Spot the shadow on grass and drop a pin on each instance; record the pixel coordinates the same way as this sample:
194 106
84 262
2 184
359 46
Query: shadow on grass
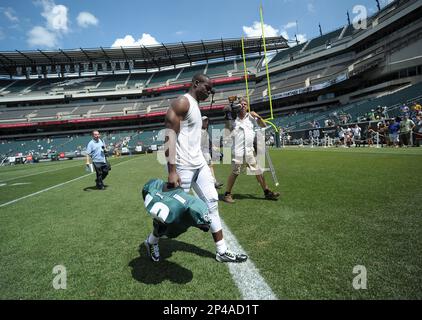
243 197
94 188
146 271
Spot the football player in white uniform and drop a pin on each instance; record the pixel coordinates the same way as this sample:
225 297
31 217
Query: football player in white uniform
186 164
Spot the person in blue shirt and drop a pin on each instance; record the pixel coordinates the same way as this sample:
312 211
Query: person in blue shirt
393 130
95 152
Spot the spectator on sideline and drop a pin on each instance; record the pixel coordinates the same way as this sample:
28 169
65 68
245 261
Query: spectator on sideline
383 133
357 134
418 135
386 133
370 136
341 135
406 128
393 131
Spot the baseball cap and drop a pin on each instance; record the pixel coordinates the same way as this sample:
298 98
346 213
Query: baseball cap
204 118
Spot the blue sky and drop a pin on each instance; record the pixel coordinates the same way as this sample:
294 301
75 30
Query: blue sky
69 24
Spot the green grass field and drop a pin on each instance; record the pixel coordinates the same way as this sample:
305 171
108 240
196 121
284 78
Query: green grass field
339 208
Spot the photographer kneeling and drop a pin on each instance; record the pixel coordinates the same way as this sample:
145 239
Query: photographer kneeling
242 126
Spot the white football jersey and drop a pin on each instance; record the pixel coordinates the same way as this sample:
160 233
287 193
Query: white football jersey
188 146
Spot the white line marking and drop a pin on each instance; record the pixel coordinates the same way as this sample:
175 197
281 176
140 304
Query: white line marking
250 283
246 276
44 190
55 186
37 173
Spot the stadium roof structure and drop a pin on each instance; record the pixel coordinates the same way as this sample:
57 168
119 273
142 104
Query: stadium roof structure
139 57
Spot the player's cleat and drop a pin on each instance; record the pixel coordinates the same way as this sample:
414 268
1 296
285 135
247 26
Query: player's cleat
228 198
229 256
270 195
153 251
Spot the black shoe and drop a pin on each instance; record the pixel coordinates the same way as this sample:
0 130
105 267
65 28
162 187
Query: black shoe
269 195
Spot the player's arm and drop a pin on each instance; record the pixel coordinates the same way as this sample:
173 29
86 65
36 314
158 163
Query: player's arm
176 113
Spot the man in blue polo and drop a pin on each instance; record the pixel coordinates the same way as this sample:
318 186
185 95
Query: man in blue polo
95 152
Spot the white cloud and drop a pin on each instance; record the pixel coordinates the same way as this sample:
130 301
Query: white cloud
86 19
56 16
311 7
285 35
256 31
290 25
42 37
302 38
129 41
10 14
56 25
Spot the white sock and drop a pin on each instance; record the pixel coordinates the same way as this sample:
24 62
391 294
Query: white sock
221 246
152 239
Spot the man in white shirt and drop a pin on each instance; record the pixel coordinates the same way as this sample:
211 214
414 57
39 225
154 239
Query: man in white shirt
243 153
341 135
357 134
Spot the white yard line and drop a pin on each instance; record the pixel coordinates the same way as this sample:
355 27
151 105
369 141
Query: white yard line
246 276
250 283
55 186
37 173
44 190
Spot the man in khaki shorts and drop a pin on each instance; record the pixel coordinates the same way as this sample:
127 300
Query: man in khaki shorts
243 134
